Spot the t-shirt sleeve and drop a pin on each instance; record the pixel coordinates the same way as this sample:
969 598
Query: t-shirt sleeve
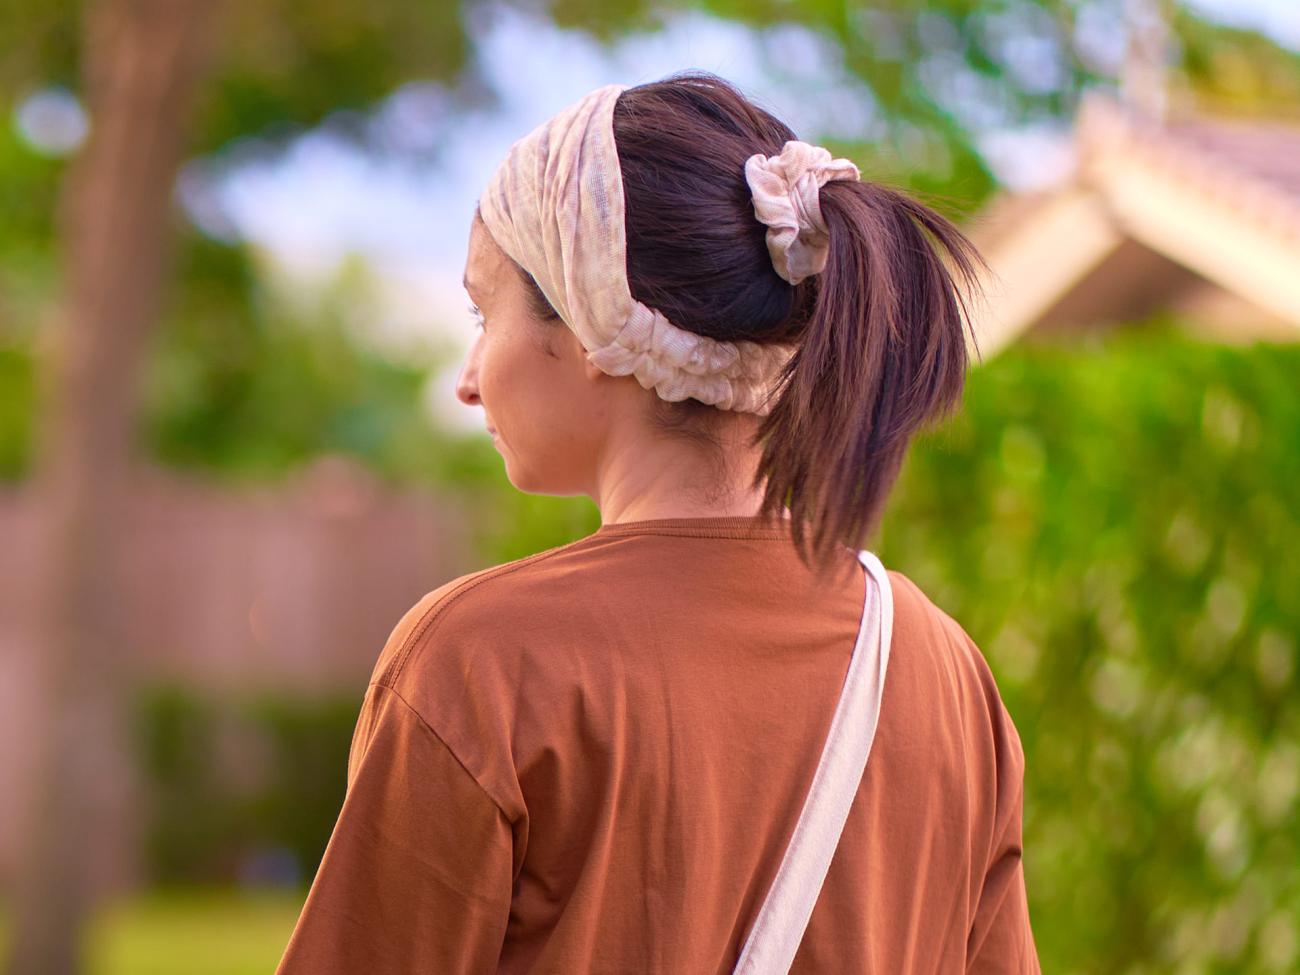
417 874
1001 939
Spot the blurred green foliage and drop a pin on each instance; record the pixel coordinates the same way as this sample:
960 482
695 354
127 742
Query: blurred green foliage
241 788
254 389
17 392
28 280
1115 524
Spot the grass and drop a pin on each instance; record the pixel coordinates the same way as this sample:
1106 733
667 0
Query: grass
198 932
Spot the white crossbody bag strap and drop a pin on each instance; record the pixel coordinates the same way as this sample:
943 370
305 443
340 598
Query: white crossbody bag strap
783 918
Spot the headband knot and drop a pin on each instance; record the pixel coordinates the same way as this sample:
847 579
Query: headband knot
786 188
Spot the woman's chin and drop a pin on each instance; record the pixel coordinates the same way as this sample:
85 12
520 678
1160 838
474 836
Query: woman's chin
525 479
521 481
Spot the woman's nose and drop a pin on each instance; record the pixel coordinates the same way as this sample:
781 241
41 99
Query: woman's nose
467 381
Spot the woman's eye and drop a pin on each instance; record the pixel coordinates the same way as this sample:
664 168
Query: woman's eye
478 316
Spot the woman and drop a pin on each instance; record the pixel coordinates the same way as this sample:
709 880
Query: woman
594 759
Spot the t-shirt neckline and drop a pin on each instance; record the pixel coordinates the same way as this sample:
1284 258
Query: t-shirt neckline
716 526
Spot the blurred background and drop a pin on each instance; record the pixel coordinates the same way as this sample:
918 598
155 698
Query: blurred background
231 240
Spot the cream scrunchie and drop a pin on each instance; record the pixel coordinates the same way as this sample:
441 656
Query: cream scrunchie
786 198
555 205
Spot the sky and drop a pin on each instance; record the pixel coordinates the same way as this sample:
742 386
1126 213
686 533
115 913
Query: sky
1280 19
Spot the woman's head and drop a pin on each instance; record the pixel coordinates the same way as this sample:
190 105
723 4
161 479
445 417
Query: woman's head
878 341
565 427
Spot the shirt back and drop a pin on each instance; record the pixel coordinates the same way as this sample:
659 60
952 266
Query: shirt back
592 760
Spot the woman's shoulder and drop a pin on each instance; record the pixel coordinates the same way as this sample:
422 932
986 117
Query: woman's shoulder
923 630
480 608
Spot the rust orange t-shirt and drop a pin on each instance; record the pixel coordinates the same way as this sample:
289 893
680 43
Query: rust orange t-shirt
590 760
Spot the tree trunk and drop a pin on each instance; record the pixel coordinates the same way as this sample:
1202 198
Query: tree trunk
143 63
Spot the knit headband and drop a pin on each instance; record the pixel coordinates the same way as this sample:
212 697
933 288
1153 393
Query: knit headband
555 206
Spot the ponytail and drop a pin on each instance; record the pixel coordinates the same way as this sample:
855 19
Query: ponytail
884 354
880 330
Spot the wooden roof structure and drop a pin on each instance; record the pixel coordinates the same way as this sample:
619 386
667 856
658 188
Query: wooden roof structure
1199 216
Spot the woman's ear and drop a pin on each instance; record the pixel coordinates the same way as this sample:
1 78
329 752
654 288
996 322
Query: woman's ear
589 368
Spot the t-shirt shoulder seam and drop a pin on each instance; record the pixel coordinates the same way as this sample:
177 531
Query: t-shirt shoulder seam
500 806
438 609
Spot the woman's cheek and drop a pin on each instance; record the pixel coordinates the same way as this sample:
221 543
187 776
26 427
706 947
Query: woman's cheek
503 384
488 370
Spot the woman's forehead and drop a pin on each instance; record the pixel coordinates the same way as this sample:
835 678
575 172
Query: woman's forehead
488 267
485 262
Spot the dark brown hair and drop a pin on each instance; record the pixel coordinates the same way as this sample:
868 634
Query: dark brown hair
880 331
